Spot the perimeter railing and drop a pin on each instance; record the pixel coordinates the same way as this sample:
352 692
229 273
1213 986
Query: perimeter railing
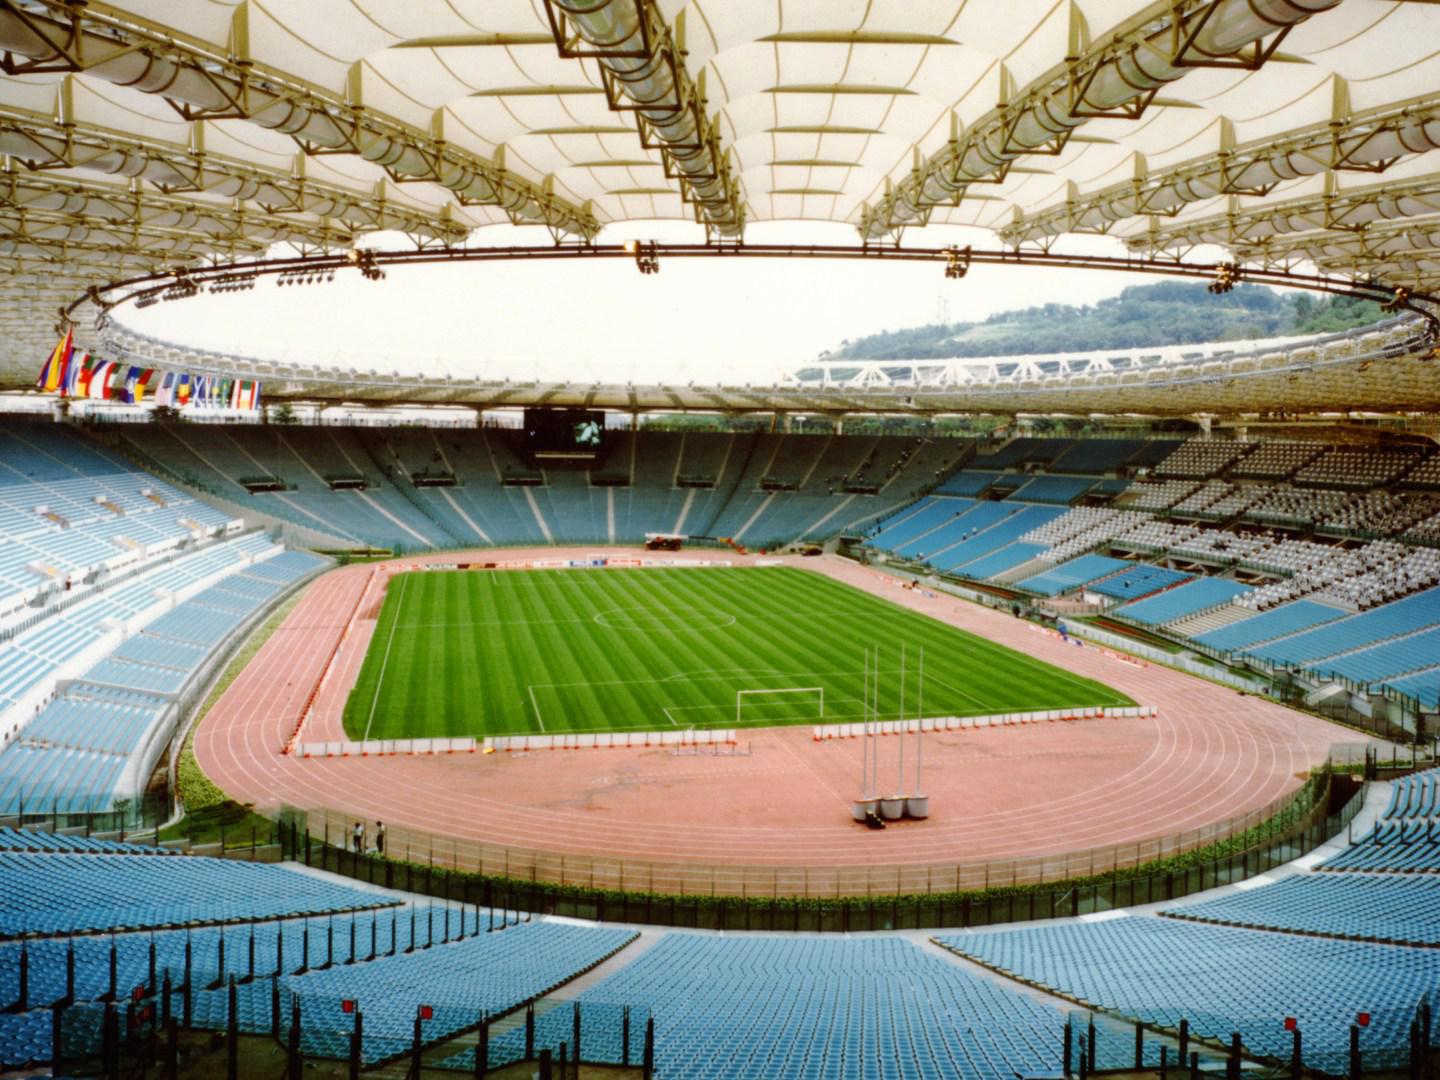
831 898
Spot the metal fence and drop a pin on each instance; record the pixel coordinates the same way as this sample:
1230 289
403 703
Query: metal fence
825 898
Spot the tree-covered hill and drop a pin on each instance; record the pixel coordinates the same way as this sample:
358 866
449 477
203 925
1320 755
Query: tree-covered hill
1167 313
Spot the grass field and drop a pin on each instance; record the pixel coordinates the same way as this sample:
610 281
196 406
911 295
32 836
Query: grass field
509 652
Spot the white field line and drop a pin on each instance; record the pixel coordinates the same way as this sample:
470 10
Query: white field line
385 660
535 705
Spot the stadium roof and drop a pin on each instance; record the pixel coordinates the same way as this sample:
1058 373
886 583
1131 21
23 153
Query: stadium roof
150 135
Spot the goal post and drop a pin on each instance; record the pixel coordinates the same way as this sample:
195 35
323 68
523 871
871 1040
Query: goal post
741 695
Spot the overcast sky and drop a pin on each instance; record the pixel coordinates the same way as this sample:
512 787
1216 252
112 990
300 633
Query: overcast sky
697 320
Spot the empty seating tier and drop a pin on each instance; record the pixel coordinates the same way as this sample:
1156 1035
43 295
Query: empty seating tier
1224 980
1139 581
66 894
1181 601
1071 575
1395 908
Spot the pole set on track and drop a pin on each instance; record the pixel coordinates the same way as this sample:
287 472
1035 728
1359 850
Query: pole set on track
872 808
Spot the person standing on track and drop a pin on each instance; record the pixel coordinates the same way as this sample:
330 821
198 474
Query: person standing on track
358 839
379 838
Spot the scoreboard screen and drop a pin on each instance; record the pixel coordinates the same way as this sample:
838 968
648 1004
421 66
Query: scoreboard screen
564 431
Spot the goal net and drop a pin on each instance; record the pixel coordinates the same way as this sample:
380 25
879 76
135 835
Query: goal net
757 701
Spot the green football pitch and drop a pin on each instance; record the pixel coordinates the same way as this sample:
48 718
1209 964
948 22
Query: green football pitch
512 652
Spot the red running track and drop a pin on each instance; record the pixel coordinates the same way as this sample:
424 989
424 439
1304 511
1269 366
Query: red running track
995 794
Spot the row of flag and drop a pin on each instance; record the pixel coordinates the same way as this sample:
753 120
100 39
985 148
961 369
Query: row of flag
75 373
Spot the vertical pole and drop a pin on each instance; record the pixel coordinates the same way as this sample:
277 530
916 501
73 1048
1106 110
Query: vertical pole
1354 1052
1139 1045
250 966
24 996
172 1049
151 983
275 1006
110 1042
295 1063
357 1033
165 991
900 789
114 992
232 1034
545 1065
1296 1061
304 948
919 728
1184 1054
1090 1029
374 935
1084 1057
625 1037
1194 1065
1164 1062
529 1032
415 1048
280 949
865 729
1066 1069
648 1068
1232 1065
188 1001
575 1038
564 1062
57 1024
482 1051
70 970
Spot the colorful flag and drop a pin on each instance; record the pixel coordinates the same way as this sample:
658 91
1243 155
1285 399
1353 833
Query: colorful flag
52 374
247 394
78 378
100 379
182 389
165 391
141 383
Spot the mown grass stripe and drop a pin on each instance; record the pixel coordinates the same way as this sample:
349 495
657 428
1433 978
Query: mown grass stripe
482 652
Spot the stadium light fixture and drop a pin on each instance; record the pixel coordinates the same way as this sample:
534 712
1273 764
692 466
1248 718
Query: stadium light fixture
1227 275
647 256
957 262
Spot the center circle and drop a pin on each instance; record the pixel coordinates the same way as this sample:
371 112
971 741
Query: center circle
649 621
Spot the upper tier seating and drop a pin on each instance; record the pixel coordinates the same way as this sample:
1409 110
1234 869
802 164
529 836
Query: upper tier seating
66 894
1357 468
967 483
1156 496
1096 456
1423 686
1078 530
1224 980
1294 506
1060 490
1276 460
1199 459
1181 601
70 510
1425 475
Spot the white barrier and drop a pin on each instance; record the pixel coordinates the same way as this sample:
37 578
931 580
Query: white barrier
960 723
387 747
616 740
